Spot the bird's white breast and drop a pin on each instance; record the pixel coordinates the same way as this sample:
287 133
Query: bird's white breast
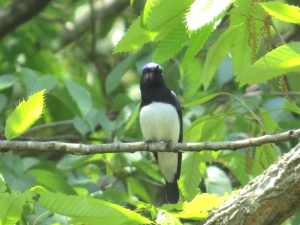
160 122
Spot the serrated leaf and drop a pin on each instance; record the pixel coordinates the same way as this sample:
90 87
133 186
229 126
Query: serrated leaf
135 37
198 39
24 115
52 181
190 175
284 12
80 95
145 13
11 206
166 11
191 78
7 80
171 44
204 11
89 210
216 54
281 60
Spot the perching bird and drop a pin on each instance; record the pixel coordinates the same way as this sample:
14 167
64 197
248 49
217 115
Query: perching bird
161 120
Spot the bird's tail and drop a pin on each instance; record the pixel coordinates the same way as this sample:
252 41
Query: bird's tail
172 191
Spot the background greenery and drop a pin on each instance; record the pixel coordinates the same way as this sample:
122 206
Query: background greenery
217 57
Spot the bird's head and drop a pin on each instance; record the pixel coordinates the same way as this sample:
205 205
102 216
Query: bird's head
152 76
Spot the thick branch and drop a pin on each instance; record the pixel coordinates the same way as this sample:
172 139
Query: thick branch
268 199
19 12
82 149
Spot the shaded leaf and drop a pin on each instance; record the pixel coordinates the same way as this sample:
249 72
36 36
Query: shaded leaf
26 113
52 181
7 80
217 181
291 106
268 122
216 54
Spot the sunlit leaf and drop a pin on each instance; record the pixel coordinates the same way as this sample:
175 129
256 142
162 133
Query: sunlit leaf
204 11
291 106
171 44
26 113
202 100
285 12
146 12
11 206
198 39
281 60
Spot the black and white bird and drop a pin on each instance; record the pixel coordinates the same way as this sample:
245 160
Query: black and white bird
161 120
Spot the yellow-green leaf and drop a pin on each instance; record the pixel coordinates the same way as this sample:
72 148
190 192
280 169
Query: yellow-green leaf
24 115
288 13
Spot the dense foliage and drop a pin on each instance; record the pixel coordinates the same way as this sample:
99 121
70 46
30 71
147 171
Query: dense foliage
234 65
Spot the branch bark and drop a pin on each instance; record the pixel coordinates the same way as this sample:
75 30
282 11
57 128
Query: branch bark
268 199
83 149
19 12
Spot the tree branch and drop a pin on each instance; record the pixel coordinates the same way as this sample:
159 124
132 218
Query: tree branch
19 12
268 199
105 10
83 149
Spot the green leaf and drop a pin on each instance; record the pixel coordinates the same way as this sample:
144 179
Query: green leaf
136 188
283 59
7 80
89 210
80 95
235 161
202 100
113 78
146 167
268 122
204 11
34 83
171 44
136 37
190 175
284 12
3 100
134 117
191 78
291 106
198 39
217 181
11 206
216 54
145 13
265 156
166 11
24 115
241 52
52 181
81 126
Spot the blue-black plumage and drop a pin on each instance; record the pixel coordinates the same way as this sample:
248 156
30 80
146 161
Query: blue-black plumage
161 120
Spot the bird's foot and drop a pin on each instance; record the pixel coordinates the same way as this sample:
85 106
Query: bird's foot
168 144
148 143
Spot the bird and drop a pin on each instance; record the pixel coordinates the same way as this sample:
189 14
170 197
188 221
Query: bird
160 119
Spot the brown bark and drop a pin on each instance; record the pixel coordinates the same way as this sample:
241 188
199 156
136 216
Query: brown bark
269 199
